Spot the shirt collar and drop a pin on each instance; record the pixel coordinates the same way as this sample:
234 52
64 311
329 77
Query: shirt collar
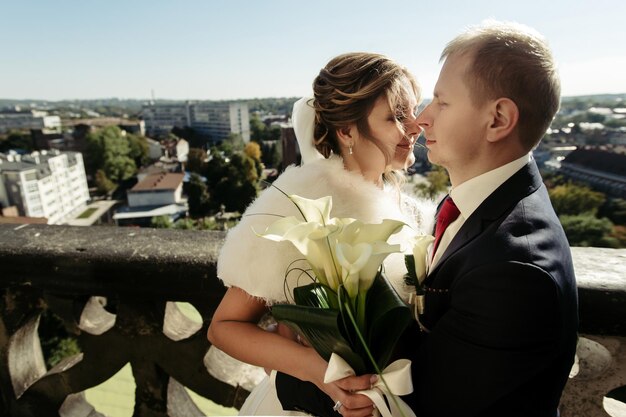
469 195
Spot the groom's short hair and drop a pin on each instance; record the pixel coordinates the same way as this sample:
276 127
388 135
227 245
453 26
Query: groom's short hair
512 61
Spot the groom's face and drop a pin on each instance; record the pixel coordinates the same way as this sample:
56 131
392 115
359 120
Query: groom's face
454 127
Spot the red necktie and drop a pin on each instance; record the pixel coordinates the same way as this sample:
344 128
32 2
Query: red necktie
447 214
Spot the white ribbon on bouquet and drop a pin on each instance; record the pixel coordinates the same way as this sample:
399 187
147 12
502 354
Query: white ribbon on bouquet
398 378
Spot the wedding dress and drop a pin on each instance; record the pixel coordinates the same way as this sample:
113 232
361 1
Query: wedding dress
259 266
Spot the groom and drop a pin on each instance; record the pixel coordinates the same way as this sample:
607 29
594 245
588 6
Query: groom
499 328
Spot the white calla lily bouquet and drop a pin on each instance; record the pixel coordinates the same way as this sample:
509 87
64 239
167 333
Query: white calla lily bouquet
349 308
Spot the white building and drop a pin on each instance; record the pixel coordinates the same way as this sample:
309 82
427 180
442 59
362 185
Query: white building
32 119
160 119
156 195
157 190
214 119
220 119
49 184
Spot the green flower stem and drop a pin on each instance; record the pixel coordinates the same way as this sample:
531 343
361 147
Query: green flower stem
371 358
360 310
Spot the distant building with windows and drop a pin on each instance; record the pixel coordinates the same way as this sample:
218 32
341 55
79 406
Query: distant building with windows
219 119
160 119
215 120
603 170
31 119
49 184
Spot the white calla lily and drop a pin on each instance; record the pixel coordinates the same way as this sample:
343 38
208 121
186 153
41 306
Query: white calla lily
368 232
380 250
277 230
314 210
339 250
325 259
309 238
420 255
352 260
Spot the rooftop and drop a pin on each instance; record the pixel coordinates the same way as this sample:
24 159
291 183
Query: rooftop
162 181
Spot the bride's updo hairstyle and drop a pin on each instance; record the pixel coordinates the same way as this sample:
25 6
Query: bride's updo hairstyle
346 90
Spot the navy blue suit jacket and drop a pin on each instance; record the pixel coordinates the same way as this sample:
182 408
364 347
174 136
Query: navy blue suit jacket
501 307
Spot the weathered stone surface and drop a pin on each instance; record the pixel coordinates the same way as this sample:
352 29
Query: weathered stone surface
141 272
602 362
601 276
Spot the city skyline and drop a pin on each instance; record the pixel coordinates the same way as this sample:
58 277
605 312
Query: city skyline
210 50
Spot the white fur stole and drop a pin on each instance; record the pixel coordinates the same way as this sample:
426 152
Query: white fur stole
259 266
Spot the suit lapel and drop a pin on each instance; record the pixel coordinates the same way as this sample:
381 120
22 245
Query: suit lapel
524 182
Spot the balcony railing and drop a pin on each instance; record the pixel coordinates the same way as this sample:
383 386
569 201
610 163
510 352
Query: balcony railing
142 272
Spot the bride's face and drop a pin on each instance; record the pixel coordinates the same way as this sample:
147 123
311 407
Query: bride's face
395 134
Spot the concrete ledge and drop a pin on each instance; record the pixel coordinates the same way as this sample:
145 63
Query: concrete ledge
111 260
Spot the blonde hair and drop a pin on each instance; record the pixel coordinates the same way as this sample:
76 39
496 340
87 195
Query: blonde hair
346 90
513 61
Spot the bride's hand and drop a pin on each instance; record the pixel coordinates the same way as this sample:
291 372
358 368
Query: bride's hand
344 390
344 393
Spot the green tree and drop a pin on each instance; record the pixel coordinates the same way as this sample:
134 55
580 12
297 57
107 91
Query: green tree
196 160
119 167
619 234
138 149
161 222
207 223
184 224
107 149
235 141
271 154
257 129
56 343
615 210
17 141
436 184
588 230
197 197
103 183
572 199
552 179
253 151
234 185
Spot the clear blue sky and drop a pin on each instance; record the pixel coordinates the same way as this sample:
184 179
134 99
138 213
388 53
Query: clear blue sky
223 49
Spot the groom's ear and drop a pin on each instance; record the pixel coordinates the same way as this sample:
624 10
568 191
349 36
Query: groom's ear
504 116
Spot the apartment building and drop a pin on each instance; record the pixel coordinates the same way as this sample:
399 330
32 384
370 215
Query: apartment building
215 120
160 119
49 184
219 119
26 120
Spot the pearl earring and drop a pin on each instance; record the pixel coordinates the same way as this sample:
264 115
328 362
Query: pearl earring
350 150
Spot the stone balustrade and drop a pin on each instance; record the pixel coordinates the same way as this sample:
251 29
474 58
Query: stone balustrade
116 289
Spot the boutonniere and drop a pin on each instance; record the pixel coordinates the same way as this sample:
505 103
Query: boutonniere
417 268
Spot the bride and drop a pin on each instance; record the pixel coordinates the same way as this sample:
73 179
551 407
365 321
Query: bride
359 128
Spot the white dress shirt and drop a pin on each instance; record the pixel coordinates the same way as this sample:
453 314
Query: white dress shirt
470 194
